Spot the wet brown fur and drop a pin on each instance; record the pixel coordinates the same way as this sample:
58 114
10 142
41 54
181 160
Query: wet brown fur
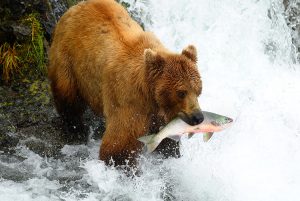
100 57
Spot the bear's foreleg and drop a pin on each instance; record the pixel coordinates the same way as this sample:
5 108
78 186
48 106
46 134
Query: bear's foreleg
119 144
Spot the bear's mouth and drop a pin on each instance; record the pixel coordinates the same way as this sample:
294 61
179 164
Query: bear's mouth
185 117
192 119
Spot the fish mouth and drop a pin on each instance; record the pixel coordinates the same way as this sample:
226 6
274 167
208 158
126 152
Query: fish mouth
228 120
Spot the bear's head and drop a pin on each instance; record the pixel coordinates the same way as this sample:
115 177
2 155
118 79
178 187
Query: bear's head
175 83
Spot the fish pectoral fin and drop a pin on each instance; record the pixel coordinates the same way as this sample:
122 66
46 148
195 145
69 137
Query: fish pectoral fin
207 136
175 137
191 135
146 139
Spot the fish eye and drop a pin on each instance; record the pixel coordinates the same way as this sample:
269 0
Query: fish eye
181 94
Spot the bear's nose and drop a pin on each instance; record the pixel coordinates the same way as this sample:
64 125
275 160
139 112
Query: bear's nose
196 118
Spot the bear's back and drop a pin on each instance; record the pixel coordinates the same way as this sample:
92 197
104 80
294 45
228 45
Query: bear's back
96 18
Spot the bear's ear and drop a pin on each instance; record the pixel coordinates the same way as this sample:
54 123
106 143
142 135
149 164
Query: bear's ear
154 61
190 52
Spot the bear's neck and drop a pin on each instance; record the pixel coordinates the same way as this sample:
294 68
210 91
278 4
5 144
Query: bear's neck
140 86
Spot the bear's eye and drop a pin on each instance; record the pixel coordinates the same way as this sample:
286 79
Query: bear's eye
181 94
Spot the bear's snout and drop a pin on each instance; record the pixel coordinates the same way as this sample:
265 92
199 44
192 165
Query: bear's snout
195 118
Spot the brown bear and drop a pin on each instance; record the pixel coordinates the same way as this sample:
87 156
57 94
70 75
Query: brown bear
102 58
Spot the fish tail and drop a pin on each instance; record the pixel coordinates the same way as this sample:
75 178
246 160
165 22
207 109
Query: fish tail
150 142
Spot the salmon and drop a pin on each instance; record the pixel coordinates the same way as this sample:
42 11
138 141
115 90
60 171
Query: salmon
176 128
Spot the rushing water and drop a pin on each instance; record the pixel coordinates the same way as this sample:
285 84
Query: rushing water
246 63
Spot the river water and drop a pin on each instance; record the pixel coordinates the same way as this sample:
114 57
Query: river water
247 65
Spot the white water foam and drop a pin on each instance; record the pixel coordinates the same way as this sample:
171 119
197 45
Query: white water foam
245 60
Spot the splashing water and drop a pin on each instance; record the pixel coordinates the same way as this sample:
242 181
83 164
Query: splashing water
246 63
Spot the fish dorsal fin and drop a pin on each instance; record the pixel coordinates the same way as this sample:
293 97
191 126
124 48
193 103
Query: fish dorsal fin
175 137
207 136
191 135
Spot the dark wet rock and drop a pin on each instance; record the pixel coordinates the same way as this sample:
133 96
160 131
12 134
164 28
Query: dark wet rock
292 13
13 11
59 7
42 146
11 31
11 14
8 142
28 117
